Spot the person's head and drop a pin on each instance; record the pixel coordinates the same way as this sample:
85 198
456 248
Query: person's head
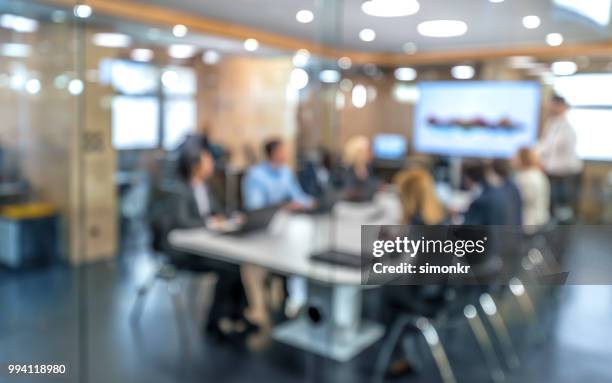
418 196
276 152
525 158
196 164
357 152
473 174
501 168
558 106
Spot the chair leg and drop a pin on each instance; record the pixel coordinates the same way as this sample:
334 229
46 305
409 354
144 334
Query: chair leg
489 307
180 314
484 342
386 351
437 350
141 297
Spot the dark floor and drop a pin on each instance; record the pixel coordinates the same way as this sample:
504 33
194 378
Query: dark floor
40 314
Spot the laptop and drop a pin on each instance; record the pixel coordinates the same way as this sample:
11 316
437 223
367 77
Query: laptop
254 220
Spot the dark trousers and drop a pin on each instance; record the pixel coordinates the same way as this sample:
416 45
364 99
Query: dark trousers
564 192
229 300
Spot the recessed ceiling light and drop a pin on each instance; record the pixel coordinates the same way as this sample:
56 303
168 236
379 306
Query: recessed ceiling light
142 55
111 40
179 30
82 11
496 1
564 68
301 58
367 35
405 74
298 78
442 28
462 72
531 22
18 23
211 57
304 16
181 51
32 86
329 76
251 45
75 86
554 39
390 8
409 48
345 63
359 96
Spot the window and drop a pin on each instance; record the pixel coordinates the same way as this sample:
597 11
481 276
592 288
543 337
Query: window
135 122
590 97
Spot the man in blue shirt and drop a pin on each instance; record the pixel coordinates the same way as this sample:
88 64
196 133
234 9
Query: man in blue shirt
272 182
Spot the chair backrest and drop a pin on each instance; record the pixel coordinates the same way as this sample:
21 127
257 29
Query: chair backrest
160 217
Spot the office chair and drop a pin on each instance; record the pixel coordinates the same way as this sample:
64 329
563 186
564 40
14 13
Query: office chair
457 305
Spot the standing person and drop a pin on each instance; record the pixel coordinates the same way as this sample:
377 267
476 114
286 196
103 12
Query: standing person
533 186
557 150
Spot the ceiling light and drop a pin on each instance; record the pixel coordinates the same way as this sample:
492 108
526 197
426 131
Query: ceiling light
409 48
462 72
531 22
298 79
345 63
329 76
179 30
75 86
112 40
405 74
564 68
304 16
442 28
32 86
390 8
211 57
18 23
15 50
367 35
142 55
359 96
82 11
181 51
301 57
554 39
251 45
496 1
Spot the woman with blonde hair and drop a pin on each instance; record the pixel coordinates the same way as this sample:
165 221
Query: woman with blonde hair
417 194
357 179
533 186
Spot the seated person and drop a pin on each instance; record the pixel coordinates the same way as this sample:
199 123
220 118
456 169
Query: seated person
489 206
272 182
514 202
534 188
357 180
195 206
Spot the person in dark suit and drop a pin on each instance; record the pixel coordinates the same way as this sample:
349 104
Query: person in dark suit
195 206
489 207
514 201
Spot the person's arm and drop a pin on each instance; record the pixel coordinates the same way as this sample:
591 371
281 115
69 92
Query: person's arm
253 194
296 193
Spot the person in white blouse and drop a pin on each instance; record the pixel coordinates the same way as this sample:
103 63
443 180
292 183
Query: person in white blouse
560 160
534 188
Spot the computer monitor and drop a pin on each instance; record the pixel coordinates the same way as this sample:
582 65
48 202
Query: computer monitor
389 147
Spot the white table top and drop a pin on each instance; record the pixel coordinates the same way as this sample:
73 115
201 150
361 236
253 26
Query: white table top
291 239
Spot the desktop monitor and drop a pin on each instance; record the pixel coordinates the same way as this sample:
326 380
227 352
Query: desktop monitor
476 118
389 147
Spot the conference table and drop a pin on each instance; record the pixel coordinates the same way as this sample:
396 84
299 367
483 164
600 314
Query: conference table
332 324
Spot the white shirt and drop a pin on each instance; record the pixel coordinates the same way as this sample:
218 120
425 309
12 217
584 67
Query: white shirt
535 194
557 149
200 193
